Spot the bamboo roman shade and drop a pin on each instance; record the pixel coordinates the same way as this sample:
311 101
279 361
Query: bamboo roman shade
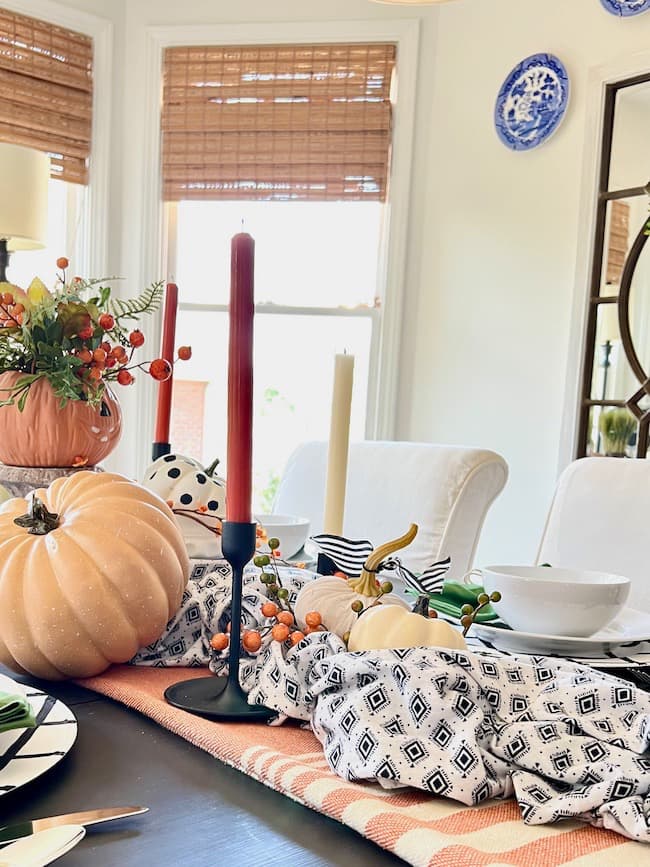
46 92
617 246
278 122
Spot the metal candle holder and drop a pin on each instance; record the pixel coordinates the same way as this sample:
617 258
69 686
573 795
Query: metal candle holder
222 698
160 449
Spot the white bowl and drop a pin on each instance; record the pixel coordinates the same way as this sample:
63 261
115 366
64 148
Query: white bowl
289 529
554 601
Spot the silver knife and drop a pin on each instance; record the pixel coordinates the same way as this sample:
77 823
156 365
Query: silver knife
9 833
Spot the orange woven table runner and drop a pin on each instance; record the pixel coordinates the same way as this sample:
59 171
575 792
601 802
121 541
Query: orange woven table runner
423 830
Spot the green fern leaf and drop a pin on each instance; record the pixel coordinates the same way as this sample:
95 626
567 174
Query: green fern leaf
147 301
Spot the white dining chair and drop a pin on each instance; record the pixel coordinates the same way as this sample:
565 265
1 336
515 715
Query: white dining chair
599 519
445 490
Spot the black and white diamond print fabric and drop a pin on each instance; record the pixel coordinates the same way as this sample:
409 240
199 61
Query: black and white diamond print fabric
205 609
565 740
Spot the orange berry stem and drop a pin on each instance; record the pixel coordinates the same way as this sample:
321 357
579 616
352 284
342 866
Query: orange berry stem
10 315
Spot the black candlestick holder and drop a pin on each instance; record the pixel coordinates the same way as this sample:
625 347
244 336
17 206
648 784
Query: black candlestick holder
222 698
160 449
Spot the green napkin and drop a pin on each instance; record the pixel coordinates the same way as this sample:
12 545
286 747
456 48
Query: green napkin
15 712
454 595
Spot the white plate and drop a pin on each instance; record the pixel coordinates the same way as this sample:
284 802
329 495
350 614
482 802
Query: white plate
27 753
620 640
43 847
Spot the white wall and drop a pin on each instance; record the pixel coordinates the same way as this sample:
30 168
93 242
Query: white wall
488 328
493 234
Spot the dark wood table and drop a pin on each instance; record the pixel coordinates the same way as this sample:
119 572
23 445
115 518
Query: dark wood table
202 812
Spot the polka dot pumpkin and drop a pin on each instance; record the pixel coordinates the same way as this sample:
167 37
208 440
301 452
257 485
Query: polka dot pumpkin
185 484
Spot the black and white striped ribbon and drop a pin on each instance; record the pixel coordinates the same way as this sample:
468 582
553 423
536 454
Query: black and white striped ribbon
427 582
350 556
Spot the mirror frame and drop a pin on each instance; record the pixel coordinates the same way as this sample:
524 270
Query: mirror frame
596 299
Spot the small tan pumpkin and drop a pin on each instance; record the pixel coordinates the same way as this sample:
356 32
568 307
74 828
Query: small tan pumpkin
390 626
332 597
93 572
45 434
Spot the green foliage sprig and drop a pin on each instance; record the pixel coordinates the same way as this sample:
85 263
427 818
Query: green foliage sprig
76 336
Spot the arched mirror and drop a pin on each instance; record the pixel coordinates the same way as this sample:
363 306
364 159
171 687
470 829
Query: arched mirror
615 400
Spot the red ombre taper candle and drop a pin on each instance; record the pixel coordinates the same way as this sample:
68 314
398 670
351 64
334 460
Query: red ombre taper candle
161 445
240 380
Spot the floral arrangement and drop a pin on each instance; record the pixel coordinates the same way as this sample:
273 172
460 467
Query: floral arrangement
77 337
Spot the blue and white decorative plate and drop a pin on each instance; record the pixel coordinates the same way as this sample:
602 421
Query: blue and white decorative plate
27 753
625 8
531 102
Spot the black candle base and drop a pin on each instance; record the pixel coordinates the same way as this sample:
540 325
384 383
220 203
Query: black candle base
222 698
216 698
160 449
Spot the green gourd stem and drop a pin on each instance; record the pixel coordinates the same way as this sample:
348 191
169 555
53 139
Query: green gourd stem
366 583
422 606
39 520
213 466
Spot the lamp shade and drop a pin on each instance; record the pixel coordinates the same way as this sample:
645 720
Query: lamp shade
24 177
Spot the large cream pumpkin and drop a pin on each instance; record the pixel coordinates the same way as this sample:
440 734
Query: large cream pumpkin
93 573
45 434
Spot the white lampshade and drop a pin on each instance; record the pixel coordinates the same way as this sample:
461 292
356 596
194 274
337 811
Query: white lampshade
24 177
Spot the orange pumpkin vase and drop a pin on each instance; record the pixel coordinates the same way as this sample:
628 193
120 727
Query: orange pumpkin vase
45 434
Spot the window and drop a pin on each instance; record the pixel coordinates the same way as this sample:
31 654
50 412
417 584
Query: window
294 141
615 404
46 95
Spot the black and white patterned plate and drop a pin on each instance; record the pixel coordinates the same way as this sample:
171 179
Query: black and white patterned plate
27 753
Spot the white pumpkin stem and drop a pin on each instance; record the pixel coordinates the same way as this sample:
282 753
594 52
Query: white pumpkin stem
366 583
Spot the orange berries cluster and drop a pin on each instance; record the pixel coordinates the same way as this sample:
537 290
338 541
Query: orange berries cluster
277 609
282 629
99 362
11 311
285 629
96 363
251 640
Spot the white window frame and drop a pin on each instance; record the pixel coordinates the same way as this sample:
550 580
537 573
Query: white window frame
599 77
93 246
385 351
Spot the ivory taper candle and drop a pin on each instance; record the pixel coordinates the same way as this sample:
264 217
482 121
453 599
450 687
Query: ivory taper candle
337 455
